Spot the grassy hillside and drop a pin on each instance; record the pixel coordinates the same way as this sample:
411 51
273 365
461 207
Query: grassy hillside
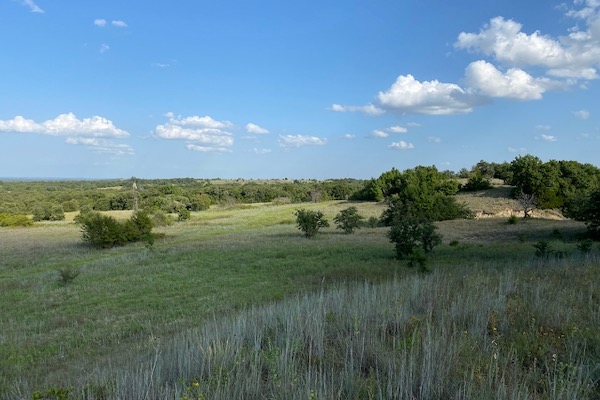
238 301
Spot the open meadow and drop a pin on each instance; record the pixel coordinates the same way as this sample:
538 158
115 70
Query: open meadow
237 303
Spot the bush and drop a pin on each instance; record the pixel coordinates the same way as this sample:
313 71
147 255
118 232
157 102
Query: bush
477 182
104 231
348 219
373 222
14 220
47 212
310 222
409 232
160 218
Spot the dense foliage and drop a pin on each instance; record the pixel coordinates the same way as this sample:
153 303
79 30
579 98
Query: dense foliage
104 231
420 184
478 181
167 195
310 222
15 220
410 230
348 219
555 184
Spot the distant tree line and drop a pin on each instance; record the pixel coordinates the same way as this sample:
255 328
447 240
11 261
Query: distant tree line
566 185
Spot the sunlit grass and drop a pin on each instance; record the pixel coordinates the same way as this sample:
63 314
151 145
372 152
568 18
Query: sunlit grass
223 261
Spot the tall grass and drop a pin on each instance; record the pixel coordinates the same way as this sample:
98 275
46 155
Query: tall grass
468 333
236 303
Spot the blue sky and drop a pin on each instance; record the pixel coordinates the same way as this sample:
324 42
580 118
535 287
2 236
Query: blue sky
304 89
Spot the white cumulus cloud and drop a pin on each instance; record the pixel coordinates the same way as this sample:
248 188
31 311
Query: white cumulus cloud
255 129
576 55
119 24
548 138
200 133
515 83
64 125
397 129
428 97
378 133
100 22
288 141
401 145
94 133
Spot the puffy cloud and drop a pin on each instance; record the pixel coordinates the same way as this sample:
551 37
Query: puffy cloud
369 109
255 129
288 141
401 145
94 133
397 129
429 97
504 40
515 83
573 56
547 138
378 133
100 22
119 24
582 114
32 6
201 133
205 122
64 125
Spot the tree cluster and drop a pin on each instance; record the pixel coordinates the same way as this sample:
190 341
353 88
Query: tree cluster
104 231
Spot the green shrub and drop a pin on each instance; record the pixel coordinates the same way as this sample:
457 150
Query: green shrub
104 231
161 218
409 232
477 182
47 212
310 222
183 214
373 222
15 220
348 219
512 219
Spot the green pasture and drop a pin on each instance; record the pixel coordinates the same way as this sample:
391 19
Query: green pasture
131 306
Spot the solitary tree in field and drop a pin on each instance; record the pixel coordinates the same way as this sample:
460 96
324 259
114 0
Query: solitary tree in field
310 222
348 219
